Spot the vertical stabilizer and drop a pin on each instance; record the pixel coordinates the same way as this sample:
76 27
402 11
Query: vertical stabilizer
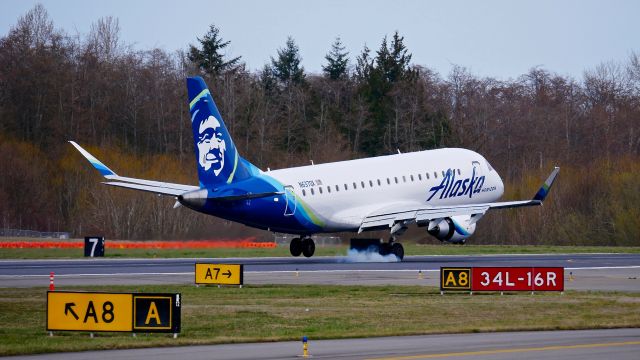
217 158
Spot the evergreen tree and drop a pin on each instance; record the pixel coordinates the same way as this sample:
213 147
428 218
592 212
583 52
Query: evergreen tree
210 58
377 78
393 61
268 80
337 61
364 65
286 67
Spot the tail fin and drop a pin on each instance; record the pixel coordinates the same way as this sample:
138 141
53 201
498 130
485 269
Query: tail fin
216 156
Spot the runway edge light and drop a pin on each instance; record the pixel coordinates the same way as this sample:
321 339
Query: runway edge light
305 346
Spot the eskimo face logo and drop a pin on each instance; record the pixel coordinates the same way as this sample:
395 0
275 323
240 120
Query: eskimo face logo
211 145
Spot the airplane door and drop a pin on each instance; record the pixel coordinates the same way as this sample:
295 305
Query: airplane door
476 165
479 175
291 202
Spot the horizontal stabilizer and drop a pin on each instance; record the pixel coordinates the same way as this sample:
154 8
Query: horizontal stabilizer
157 187
154 189
102 168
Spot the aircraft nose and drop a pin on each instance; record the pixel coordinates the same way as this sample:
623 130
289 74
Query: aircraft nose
500 185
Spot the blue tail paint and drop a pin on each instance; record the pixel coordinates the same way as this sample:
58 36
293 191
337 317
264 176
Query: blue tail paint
217 158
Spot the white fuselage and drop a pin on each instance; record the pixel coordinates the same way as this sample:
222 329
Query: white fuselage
343 193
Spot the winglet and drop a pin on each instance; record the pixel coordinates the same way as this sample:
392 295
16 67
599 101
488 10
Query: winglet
104 170
544 189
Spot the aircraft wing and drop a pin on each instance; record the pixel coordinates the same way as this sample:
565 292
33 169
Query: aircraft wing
407 213
158 187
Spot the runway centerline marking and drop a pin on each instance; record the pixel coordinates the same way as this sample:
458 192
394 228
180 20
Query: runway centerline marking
508 351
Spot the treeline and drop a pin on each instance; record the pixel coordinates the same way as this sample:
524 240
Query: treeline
129 107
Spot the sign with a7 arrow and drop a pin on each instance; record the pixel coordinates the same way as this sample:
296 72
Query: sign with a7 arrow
219 274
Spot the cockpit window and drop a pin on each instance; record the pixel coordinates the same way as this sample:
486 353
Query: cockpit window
489 166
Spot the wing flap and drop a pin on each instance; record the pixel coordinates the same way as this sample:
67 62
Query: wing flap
448 211
380 219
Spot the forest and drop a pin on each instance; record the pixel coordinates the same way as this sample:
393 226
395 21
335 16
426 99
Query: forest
129 108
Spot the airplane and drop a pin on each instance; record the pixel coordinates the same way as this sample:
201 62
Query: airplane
445 190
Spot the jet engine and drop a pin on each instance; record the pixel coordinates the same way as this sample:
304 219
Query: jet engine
455 229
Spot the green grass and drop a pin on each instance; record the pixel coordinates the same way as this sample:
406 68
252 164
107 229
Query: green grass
410 249
272 313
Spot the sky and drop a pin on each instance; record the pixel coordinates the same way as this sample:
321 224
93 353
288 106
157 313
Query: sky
500 39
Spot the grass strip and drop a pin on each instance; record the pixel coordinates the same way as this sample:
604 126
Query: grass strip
213 315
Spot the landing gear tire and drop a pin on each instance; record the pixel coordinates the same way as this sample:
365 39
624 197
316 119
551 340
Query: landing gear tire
385 249
308 247
295 247
398 250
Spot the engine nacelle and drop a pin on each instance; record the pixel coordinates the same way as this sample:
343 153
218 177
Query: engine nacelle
455 229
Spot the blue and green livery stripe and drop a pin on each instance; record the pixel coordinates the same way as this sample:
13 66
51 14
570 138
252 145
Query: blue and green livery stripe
460 229
306 212
542 193
235 166
105 171
202 94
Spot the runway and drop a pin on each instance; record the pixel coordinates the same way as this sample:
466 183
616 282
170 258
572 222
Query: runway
583 344
582 271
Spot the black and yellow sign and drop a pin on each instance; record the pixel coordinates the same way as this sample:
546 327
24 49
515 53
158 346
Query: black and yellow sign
455 278
85 311
219 274
156 312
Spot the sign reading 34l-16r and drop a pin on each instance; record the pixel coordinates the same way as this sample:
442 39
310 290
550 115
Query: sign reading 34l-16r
86 311
517 279
502 279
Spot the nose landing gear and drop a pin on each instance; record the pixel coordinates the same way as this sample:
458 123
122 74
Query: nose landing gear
305 246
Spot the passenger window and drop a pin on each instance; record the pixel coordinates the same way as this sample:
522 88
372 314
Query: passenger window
378 182
427 175
355 186
312 192
420 177
346 187
388 181
435 175
396 179
404 178
304 193
337 188
443 174
328 188
362 183
320 190
370 183
411 176
458 171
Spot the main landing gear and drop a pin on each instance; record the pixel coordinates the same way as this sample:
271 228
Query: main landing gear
392 247
304 246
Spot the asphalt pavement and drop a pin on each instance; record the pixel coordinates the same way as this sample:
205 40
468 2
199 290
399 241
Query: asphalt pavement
619 272
584 344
